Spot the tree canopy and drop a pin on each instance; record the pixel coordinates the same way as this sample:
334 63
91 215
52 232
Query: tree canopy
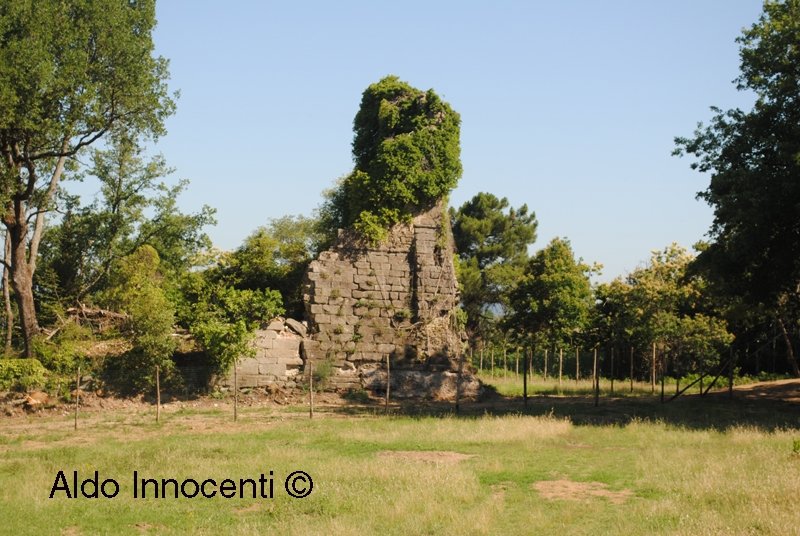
492 242
753 158
70 72
554 297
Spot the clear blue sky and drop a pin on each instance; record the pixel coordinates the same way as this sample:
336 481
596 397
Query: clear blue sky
570 107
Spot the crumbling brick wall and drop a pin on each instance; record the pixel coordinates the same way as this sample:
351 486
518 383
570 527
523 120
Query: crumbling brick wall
276 363
394 301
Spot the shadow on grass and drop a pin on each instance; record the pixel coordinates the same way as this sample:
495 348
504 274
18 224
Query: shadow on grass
715 411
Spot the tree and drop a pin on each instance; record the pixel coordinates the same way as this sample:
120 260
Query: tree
70 72
136 290
663 303
222 318
492 242
753 158
554 297
134 208
407 158
276 257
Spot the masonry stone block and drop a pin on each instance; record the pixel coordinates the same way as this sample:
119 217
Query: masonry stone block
274 369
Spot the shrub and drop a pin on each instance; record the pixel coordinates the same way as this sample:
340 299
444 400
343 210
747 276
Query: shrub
323 370
136 289
21 374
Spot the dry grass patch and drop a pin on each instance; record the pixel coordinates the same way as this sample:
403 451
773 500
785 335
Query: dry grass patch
567 490
434 456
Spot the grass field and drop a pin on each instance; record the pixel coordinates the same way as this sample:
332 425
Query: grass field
631 466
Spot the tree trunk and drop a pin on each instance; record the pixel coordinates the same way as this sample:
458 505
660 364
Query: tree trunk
22 283
7 296
653 371
25 252
790 358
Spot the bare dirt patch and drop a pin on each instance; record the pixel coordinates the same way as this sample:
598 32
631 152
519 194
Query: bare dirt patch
567 490
784 390
433 456
145 528
255 507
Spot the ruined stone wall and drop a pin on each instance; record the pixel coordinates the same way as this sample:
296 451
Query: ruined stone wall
276 363
366 304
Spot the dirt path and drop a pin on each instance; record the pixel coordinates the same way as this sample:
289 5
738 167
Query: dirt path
782 390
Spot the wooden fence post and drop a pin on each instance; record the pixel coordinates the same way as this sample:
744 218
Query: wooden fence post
653 370
631 369
544 373
388 383
596 380
77 395
525 380
158 393
235 391
612 370
310 389
730 373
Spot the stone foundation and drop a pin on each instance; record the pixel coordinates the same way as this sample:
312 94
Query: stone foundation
369 306
277 362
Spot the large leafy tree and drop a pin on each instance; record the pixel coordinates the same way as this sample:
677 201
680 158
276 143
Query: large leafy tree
554 298
663 303
276 257
221 317
492 242
407 157
753 158
134 207
70 71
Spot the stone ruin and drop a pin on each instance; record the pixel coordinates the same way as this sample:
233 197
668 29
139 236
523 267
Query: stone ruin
372 306
277 362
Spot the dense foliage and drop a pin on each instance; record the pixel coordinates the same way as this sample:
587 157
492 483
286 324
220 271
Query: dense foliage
552 300
663 306
70 72
407 157
136 289
491 240
753 158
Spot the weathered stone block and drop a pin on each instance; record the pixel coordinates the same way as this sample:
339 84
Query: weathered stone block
275 369
246 380
247 366
291 361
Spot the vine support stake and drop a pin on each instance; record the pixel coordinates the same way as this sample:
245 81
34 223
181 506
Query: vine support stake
310 390
158 394
77 395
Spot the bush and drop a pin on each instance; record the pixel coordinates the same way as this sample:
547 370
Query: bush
21 374
68 349
323 370
136 290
